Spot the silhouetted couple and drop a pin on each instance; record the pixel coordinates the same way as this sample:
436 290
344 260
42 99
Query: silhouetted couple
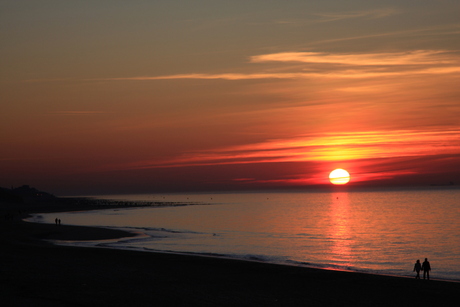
425 267
57 221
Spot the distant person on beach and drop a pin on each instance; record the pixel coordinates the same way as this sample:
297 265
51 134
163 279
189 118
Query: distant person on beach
426 268
59 222
56 221
417 268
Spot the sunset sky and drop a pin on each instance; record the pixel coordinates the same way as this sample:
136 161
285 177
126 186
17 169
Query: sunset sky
156 96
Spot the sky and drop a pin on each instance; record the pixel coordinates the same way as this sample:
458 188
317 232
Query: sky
137 96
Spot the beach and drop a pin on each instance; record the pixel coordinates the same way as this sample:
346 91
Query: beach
36 272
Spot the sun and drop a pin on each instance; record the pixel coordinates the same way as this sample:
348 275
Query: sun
339 176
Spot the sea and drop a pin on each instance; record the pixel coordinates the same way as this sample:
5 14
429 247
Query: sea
379 231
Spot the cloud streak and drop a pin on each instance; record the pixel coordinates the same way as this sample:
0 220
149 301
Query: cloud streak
418 57
370 14
326 17
335 65
325 147
425 32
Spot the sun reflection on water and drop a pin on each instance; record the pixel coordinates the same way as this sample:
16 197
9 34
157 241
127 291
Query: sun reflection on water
340 232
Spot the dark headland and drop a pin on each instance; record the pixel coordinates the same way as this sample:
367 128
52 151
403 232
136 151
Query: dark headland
34 272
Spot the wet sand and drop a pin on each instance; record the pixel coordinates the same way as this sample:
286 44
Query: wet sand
36 273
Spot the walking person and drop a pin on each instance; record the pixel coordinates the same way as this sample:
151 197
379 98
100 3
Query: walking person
426 268
417 268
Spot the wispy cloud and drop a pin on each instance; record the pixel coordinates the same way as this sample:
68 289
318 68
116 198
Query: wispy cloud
326 17
225 76
321 148
393 58
450 30
335 65
370 14
349 74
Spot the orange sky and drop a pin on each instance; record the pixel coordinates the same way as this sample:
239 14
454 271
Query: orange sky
118 97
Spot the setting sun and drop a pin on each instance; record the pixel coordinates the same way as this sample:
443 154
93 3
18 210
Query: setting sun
339 176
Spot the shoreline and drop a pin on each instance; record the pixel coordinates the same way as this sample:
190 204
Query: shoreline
35 272
120 233
46 233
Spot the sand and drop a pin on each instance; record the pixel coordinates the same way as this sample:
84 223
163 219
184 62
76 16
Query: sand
34 272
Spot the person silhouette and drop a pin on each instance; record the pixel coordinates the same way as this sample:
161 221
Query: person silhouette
426 268
417 268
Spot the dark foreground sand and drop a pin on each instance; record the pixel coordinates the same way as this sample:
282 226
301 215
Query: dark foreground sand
35 273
